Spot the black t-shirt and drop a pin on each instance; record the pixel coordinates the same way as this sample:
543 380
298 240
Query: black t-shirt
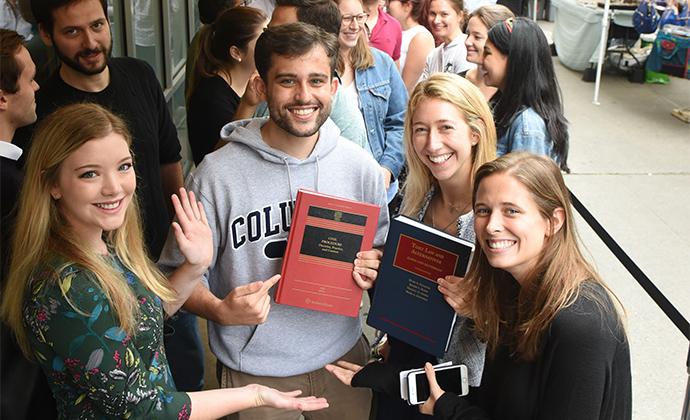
135 95
212 105
582 372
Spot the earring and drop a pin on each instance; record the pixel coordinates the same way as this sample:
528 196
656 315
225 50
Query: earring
55 196
239 60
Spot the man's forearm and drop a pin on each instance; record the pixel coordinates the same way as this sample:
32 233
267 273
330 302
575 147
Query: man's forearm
203 303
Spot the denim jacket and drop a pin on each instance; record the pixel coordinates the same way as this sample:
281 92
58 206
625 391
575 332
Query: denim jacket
527 133
383 102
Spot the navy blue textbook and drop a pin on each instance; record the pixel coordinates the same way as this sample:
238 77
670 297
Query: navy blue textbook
407 304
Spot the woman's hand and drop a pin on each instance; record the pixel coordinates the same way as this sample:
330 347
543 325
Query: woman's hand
435 391
455 293
366 268
270 397
344 371
192 233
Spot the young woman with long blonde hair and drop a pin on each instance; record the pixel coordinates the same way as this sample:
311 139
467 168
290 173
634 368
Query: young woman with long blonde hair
449 133
83 298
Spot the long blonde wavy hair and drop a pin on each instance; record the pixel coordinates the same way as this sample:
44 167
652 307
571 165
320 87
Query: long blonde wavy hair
469 100
42 233
560 275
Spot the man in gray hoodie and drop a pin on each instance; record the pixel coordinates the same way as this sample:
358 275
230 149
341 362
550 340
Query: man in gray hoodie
248 188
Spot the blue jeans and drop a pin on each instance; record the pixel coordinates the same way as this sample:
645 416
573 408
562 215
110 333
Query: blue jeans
184 351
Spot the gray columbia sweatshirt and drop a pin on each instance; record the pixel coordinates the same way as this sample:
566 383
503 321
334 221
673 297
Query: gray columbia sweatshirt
248 190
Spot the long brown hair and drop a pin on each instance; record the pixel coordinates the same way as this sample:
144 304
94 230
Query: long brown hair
42 233
556 280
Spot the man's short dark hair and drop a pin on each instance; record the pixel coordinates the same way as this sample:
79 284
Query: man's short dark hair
322 13
10 69
43 11
292 40
209 10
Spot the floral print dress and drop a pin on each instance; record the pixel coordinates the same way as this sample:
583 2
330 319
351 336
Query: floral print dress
95 369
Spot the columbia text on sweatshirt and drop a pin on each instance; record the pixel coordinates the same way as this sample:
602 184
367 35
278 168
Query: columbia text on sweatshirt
248 190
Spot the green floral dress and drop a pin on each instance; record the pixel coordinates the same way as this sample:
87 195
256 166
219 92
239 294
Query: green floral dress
96 370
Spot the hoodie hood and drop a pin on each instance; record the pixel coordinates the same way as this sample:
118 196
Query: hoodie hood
248 132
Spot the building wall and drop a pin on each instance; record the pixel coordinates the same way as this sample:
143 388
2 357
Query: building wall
159 31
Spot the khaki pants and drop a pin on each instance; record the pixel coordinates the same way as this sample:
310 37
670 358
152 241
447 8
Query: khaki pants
345 403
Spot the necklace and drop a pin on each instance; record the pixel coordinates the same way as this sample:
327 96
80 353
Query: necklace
458 213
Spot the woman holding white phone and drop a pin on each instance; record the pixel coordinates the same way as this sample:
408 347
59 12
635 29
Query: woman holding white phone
556 344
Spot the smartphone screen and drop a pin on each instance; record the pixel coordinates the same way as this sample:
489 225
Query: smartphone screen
449 379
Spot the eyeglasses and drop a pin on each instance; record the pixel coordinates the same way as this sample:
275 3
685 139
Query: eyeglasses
360 18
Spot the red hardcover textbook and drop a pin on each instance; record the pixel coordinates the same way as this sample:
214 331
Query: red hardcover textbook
326 234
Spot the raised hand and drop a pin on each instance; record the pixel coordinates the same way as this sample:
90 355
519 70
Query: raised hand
435 391
247 304
344 371
366 268
270 397
455 293
192 233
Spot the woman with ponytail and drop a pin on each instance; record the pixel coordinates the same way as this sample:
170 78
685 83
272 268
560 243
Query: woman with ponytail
223 70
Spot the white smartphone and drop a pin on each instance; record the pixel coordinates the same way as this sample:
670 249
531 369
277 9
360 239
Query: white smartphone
450 378
404 394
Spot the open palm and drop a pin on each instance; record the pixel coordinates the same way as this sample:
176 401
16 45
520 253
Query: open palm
192 233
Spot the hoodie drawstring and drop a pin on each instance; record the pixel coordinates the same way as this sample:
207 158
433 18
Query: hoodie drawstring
316 181
289 178
287 165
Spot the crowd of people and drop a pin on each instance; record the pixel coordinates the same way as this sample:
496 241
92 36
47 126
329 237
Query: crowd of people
109 255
